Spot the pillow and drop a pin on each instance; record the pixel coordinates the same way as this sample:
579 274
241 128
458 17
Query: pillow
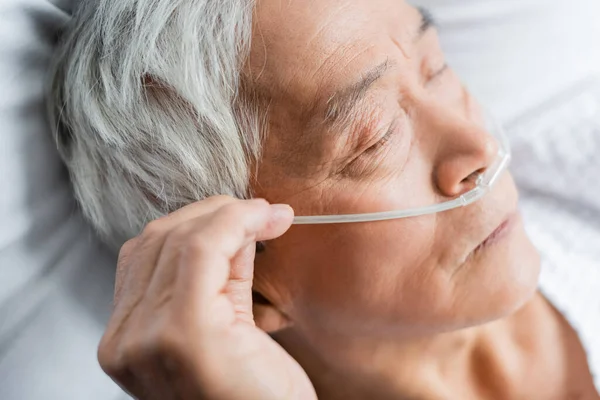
516 55
55 278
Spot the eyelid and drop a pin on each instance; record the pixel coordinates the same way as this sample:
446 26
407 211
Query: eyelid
368 158
367 145
391 130
437 73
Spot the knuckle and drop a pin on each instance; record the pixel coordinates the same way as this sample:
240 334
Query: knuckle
230 212
108 358
153 229
235 215
136 351
200 243
127 248
216 229
219 199
237 211
206 242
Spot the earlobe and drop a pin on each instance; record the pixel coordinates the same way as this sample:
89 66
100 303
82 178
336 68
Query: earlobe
266 316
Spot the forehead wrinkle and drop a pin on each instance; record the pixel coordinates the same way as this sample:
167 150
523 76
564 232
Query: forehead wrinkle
325 24
318 112
328 68
311 111
296 92
357 55
318 100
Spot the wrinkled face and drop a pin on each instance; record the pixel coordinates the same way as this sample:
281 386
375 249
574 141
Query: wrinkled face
365 116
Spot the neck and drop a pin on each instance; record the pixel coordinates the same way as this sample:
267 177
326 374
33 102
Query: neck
439 366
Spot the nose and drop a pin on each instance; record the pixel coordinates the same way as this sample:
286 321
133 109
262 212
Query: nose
465 149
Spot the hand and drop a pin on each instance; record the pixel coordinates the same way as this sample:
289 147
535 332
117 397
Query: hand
182 327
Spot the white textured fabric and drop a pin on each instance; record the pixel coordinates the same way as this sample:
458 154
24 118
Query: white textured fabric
557 167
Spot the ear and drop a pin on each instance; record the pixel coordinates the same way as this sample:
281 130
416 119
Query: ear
266 316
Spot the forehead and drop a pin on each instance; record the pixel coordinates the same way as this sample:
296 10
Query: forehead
304 49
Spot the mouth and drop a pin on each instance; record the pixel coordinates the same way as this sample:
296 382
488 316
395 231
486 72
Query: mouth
499 233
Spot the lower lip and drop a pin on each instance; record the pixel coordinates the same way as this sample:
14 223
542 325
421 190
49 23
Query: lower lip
500 233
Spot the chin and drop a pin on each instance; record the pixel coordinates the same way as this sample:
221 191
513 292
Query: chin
508 275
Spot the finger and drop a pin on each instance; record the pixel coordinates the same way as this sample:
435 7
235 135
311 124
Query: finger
240 261
160 289
152 238
204 262
122 267
129 290
195 210
239 287
234 227
239 290
136 270
137 264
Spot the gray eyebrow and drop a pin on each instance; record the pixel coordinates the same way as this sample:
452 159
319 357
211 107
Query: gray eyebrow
340 106
342 103
427 21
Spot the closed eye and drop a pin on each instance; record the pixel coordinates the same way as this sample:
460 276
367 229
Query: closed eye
385 138
439 72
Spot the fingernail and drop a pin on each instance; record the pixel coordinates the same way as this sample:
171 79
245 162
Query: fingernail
281 211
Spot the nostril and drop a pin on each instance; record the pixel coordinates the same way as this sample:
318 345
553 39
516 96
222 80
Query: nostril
474 177
471 181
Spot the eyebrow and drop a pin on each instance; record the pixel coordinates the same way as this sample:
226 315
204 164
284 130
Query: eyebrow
427 21
341 105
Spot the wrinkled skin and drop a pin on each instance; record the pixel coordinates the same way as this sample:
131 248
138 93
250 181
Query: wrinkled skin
384 280
182 327
413 308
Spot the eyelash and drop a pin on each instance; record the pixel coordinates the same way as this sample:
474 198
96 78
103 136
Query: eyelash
439 72
392 129
384 139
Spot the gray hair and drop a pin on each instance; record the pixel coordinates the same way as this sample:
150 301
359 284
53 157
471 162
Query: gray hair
147 110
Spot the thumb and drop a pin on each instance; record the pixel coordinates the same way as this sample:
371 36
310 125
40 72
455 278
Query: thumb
239 286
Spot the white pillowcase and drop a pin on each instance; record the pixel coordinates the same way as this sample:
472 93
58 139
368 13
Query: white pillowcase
517 54
55 279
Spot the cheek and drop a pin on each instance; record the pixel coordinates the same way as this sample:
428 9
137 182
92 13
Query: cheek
392 278
366 278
